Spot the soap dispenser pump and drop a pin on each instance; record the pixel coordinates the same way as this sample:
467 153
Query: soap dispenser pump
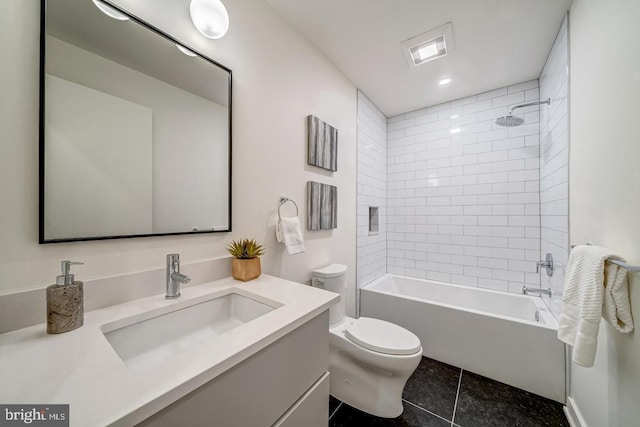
65 302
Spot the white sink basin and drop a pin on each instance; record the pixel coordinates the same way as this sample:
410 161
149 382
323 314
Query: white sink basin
159 335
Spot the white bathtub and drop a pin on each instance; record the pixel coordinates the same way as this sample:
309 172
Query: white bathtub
492 333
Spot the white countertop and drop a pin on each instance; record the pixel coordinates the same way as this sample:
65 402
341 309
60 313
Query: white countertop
81 368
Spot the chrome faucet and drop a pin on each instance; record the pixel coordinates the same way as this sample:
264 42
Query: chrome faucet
174 277
527 291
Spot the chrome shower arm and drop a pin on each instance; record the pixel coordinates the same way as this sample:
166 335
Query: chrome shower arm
528 104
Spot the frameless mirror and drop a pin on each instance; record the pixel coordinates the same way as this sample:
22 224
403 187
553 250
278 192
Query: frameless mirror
135 129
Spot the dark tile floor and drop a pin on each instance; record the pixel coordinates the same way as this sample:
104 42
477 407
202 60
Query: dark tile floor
440 395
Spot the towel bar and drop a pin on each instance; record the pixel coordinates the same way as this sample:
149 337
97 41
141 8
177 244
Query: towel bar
284 200
630 268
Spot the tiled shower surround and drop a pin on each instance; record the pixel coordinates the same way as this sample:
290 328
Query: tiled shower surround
372 190
554 166
463 195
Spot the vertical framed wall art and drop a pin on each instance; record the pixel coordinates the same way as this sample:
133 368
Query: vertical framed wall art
322 206
322 144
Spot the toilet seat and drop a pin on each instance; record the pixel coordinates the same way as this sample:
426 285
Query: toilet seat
382 337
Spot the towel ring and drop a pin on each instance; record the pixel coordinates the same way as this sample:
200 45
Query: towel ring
284 200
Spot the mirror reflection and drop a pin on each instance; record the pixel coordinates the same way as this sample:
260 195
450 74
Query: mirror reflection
135 134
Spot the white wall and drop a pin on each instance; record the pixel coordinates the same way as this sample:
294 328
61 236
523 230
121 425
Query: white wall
464 207
278 79
372 190
554 167
605 192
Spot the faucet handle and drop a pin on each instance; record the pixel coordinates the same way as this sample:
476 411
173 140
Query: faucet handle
173 262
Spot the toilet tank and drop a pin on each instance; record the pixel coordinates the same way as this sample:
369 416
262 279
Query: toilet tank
333 278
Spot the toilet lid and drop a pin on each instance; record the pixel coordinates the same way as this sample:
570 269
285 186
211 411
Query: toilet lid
382 337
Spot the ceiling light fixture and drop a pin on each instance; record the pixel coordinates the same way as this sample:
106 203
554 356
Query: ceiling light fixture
110 11
430 45
428 50
210 18
444 81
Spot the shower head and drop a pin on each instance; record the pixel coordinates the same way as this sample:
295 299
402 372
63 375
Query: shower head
511 120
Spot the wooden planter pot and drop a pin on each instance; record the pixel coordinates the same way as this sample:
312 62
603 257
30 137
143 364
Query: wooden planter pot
245 269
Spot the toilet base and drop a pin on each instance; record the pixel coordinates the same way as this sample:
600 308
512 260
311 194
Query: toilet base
375 400
369 381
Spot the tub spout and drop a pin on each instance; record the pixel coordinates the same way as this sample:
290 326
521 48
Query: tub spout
527 291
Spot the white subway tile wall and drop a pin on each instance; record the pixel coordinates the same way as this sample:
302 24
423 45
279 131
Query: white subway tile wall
372 191
463 194
554 166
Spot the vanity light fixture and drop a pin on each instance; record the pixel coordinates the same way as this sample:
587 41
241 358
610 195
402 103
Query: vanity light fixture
185 50
110 11
445 81
210 18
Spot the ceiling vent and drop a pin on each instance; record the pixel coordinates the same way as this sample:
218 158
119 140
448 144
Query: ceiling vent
430 45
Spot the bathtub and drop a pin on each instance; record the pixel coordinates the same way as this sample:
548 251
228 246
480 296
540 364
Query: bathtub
508 337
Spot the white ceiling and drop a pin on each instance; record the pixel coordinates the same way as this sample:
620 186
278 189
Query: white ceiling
497 43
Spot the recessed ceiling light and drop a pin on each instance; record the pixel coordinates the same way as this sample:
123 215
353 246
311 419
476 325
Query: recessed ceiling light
110 11
444 81
455 130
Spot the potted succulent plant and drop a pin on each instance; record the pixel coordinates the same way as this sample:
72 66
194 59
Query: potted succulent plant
245 264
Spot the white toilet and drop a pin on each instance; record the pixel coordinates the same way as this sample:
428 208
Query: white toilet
370 360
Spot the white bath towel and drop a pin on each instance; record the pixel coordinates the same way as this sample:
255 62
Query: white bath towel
585 285
289 230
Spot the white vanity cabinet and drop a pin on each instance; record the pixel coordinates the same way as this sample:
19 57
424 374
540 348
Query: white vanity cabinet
174 366
311 409
285 384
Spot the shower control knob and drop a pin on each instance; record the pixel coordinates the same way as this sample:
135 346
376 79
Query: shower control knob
546 264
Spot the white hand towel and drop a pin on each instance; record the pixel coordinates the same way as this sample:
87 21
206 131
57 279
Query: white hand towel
289 230
583 299
617 307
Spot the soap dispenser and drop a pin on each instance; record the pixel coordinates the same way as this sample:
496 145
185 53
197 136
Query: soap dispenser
65 302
